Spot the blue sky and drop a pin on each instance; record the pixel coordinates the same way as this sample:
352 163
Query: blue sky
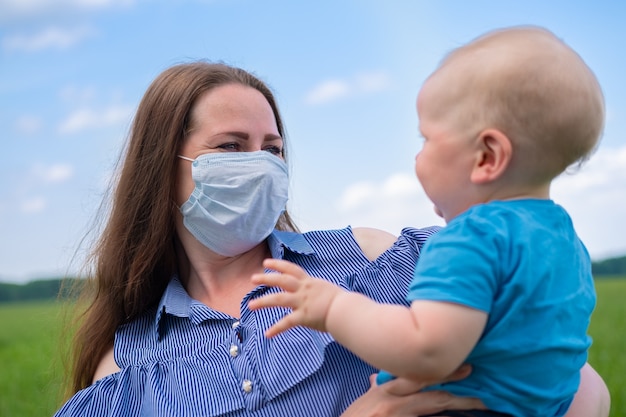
345 73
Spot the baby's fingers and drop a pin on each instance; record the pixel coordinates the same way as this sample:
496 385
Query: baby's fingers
285 267
280 326
280 299
284 281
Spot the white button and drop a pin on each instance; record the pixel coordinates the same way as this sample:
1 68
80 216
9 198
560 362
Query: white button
247 385
235 325
234 351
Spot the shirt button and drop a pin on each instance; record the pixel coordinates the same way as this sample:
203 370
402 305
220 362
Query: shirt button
235 325
246 385
234 351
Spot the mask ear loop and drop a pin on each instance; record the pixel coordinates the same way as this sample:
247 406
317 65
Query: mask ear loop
186 159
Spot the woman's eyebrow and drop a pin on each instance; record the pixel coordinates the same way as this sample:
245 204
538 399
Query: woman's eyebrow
271 136
240 135
246 136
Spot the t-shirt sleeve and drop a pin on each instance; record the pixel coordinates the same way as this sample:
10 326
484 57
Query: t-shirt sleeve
460 265
387 278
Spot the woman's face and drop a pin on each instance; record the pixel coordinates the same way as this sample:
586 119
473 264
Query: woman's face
229 118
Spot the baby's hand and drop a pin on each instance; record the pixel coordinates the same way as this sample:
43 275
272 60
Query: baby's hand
309 298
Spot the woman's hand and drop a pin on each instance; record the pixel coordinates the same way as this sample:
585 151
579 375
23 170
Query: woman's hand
401 397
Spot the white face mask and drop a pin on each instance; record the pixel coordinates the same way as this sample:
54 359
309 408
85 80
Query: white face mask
237 199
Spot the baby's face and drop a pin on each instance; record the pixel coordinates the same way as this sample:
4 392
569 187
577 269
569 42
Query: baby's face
444 164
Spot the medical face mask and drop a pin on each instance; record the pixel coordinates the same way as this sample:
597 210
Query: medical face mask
237 199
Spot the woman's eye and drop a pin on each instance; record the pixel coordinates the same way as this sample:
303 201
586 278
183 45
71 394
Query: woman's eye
274 150
229 146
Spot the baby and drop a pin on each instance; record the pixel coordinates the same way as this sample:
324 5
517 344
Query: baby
506 286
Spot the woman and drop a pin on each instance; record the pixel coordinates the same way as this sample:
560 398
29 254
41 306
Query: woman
202 187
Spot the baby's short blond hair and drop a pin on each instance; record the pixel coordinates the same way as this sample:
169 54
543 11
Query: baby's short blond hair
530 85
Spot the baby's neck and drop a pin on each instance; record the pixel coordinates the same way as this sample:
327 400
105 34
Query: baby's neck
541 192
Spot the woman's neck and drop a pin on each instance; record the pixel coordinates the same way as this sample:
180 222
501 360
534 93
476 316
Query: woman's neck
220 282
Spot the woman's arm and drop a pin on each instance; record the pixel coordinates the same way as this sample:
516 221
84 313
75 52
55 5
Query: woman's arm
107 366
593 398
373 242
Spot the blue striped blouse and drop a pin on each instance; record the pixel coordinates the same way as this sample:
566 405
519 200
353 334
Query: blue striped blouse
185 359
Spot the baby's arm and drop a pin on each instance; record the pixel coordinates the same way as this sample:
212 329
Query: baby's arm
426 342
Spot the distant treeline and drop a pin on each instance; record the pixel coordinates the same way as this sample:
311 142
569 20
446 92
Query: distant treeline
45 289
49 289
612 266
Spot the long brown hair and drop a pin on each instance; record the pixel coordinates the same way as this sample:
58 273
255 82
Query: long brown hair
135 256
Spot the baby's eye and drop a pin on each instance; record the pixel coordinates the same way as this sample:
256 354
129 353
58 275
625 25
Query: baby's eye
274 150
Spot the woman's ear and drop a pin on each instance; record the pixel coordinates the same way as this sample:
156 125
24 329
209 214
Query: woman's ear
493 156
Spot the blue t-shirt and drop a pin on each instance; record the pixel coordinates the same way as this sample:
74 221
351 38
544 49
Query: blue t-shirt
182 358
521 262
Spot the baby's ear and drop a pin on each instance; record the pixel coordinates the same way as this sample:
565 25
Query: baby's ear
493 156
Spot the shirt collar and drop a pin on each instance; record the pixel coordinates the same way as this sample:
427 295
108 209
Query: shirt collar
295 242
176 301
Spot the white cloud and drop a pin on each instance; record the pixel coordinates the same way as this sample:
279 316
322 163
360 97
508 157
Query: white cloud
55 173
363 194
372 82
391 204
39 177
73 94
28 125
357 195
328 91
33 205
59 173
595 197
15 10
605 169
51 37
332 90
88 118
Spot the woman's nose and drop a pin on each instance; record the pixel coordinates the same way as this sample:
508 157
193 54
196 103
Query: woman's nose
253 145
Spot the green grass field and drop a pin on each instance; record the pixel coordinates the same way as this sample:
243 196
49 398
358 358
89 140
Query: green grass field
31 373
30 370
607 354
